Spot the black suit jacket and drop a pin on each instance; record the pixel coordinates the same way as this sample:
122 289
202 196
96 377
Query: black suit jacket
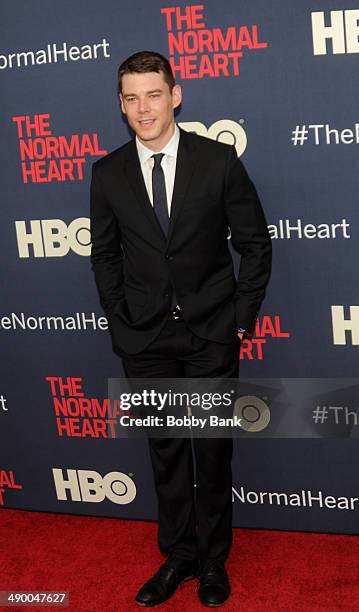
136 266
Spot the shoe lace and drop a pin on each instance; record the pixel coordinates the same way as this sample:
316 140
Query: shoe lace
210 565
165 571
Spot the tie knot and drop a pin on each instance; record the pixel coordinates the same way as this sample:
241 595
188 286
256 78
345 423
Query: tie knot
158 158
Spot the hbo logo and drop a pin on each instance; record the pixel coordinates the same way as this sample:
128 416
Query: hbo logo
90 486
224 130
53 238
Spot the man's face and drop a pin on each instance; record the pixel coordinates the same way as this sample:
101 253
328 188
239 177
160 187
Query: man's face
148 104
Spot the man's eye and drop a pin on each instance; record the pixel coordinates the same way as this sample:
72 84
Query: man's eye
130 99
154 95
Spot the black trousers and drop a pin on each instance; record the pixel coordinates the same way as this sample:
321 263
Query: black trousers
193 522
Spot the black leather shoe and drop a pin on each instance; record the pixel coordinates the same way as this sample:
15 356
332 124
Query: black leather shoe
165 581
214 588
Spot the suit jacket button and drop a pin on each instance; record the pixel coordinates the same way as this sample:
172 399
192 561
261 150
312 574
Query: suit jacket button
166 295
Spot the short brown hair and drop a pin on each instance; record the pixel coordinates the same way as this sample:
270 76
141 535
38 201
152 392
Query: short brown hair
146 61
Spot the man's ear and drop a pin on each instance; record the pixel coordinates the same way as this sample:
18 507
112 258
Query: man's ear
176 95
122 105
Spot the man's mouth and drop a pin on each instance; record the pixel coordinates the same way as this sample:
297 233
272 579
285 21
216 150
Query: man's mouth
146 122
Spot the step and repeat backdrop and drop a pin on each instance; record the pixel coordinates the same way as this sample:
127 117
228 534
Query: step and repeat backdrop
280 81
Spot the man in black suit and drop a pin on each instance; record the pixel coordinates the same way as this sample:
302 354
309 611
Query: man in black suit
161 209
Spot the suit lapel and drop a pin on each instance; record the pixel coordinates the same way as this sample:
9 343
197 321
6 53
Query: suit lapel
185 166
135 178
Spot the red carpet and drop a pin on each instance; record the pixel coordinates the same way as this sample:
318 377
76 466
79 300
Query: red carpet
102 563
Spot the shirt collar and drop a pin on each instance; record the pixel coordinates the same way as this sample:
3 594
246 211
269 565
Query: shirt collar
170 148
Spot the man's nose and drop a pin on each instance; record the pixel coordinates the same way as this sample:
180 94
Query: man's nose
143 105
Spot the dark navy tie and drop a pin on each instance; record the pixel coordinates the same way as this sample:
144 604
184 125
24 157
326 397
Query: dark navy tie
159 193
160 202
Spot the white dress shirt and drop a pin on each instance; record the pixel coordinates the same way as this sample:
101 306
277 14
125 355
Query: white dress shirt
168 164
